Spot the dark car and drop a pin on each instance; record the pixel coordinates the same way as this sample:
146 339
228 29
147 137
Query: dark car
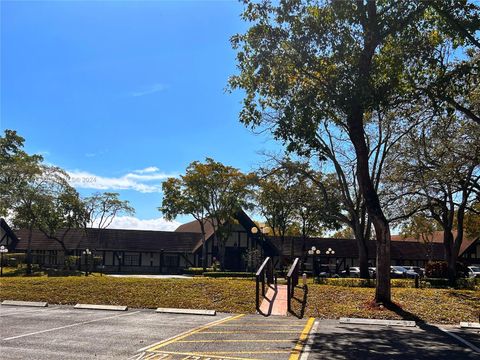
420 271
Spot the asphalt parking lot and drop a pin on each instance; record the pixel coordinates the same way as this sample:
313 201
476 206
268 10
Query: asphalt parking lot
331 340
61 332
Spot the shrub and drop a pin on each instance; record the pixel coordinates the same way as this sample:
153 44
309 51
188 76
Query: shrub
462 283
218 274
71 261
13 259
63 272
195 271
439 269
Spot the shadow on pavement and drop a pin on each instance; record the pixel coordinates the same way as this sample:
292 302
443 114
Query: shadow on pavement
361 342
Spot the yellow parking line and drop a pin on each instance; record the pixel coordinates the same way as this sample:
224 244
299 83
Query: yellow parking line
295 354
230 340
251 332
203 355
262 325
244 352
194 331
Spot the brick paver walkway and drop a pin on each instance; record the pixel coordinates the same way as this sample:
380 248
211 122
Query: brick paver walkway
275 302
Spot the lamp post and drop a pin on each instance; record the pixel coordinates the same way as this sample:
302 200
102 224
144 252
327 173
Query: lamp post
314 252
3 250
329 253
87 254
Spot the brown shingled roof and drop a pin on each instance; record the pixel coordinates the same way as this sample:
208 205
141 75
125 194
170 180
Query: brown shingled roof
437 238
113 239
348 248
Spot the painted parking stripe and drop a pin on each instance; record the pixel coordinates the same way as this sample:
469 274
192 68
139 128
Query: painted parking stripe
191 332
200 354
234 341
297 350
244 352
69 326
462 340
252 332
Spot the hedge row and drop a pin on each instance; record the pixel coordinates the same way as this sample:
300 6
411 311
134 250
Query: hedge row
462 283
219 274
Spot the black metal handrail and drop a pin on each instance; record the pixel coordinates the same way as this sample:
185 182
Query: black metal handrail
264 273
292 281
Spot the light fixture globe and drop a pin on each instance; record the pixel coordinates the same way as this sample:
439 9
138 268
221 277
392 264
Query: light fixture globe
310 252
254 230
314 248
318 252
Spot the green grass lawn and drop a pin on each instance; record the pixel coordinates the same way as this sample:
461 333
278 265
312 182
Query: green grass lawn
238 295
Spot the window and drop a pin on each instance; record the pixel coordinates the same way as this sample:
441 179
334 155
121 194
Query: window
131 260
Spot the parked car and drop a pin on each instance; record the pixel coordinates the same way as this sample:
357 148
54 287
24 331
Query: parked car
420 271
354 272
400 272
474 271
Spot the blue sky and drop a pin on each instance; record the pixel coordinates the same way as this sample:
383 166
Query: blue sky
122 94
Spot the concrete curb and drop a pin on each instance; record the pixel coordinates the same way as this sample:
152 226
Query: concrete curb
186 311
470 325
359 321
25 303
101 307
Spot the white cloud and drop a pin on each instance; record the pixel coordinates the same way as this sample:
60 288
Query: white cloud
146 180
131 222
150 90
149 169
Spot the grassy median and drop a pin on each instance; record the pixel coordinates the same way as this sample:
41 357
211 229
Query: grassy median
238 296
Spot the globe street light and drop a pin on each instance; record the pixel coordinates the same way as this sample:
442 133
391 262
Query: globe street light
264 230
329 253
3 250
314 252
87 253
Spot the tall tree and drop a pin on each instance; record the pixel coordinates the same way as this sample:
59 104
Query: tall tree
439 167
305 62
39 194
185 196
276 202
17 169
211 192
102 208
61 211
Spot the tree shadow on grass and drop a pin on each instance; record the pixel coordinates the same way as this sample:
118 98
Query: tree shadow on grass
299 302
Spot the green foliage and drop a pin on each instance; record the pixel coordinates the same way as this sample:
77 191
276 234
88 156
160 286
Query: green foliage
196 271
14 259
211 192
17 169
102 208
71 261
439 269
229 274
253 259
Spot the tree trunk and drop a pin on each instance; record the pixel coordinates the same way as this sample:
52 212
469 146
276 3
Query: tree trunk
29 250
450 255
363 259
374 209
204 247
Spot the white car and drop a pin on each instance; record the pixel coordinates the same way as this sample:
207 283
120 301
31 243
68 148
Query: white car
354 272
474 271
